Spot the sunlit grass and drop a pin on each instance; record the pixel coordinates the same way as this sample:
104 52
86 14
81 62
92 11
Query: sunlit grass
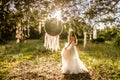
13 54
102 60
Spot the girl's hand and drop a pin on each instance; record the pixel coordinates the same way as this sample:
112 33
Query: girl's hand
65 47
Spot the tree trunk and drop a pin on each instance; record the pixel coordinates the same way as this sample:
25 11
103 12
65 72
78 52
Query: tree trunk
85 39
90 35
94 33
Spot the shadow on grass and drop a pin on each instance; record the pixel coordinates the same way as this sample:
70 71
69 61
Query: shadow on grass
80 76
36 76
28 76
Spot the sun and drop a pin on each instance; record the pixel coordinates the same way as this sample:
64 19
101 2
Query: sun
56 15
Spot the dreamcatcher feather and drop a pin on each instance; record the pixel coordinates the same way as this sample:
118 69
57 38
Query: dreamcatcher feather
51 42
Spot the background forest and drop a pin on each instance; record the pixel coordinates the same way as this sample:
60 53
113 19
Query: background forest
22 30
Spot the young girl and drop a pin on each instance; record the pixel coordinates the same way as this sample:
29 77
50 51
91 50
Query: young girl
70 59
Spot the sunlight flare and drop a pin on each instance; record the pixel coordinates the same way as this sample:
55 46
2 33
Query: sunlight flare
56 15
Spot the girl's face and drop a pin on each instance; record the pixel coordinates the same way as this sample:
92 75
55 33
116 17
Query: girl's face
71 33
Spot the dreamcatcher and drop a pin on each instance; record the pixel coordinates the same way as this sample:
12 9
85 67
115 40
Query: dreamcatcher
53 29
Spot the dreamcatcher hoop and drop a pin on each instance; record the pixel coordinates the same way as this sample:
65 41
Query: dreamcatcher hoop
53 27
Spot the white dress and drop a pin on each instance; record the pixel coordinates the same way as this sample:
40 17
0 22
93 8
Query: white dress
70 60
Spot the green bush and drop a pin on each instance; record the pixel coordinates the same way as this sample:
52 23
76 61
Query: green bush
34 34
64 34
80 41
117 42
98 40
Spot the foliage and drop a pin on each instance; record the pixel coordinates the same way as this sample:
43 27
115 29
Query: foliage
109 34
80 14
102 7
117 42
7 29
79 26
34 34
80 41
64 33
98 40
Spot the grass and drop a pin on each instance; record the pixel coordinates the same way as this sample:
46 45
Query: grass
30 60
104 59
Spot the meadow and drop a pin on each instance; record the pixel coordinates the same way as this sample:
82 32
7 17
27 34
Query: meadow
29 60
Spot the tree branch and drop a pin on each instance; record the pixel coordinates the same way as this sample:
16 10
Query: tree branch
111 9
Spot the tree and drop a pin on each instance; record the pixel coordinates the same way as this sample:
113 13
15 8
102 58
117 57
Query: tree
104 11
93 12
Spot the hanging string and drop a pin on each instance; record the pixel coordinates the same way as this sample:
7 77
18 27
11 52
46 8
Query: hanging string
51 42
19 33
28 29
39 27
